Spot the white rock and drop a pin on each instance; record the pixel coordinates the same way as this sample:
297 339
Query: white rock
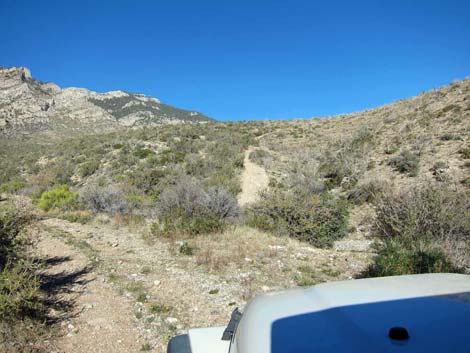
171 320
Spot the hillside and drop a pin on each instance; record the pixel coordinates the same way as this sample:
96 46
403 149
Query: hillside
28 105
433 127
152 230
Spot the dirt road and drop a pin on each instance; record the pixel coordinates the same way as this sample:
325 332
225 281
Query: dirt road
128 296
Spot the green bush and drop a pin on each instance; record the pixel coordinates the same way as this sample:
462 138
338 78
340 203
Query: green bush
12 240
58 198
20 294
176 223
147 179
89 168
22 305
393 259
12 186
423 230
406 162
316 219
142 153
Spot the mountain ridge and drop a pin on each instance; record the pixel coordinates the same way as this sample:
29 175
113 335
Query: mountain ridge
28 105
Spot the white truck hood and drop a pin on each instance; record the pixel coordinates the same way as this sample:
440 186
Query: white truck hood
357 316
208 340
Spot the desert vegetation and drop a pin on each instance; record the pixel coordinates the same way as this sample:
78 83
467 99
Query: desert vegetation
23 304
423 230
396 177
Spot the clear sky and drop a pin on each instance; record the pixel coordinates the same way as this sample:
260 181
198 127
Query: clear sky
246 59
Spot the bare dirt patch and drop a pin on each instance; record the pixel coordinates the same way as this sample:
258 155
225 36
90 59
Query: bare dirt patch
254 179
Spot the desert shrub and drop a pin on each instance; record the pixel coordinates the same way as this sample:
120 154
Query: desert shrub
261 157
362 136
433 211
186 249
406 162
302 183
316 219
146 178
89 168
12 186
394 259
440 170
187 195
59 197
22 306
303 177
465 152
423 230
391 149
76 216
449 137
176 223
37 185
345 161
194 164
439 165
20 294
142 152
466 181
419 144
367 191
229 182
171 156
187 208
12 222
107 199
63 171
221 203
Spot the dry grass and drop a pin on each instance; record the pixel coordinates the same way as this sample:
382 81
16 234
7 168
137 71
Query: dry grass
262 260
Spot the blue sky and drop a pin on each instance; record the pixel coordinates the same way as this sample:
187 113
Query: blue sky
240 60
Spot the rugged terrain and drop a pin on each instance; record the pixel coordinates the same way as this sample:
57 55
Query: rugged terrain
150 231
28 105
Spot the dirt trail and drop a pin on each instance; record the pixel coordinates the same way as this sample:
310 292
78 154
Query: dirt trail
96 324
253 180
135 296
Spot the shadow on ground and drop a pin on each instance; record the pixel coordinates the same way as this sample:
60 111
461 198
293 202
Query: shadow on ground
61 288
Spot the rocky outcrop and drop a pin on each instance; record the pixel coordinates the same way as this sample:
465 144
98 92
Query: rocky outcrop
28 105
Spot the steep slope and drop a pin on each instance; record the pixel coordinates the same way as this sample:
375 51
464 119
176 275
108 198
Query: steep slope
28 105
433 126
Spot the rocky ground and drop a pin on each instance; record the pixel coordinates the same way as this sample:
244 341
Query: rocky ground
130 296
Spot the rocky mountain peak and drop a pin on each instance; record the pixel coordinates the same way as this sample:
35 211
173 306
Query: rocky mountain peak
28 105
